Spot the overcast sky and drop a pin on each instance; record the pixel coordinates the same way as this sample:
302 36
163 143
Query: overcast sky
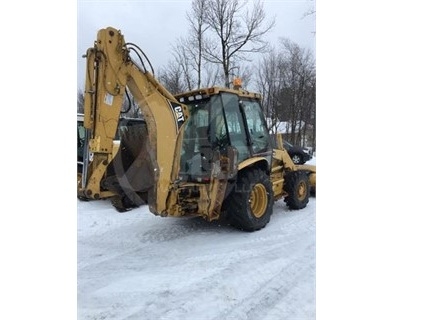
156 25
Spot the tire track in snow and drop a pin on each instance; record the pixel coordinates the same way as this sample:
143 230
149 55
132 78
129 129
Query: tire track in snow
279 290
178 249
220 268
212 285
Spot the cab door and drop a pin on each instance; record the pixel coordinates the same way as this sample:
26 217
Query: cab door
235 125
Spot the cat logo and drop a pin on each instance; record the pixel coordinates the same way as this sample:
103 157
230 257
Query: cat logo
178 112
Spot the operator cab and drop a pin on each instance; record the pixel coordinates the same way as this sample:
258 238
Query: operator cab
220 118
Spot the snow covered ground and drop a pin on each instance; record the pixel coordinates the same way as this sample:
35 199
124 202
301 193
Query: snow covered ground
135 265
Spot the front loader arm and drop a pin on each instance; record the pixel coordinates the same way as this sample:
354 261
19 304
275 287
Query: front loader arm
109 71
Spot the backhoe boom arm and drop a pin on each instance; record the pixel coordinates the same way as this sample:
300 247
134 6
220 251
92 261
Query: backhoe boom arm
110 70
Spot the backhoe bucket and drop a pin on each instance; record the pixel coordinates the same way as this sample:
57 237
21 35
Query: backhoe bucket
130 174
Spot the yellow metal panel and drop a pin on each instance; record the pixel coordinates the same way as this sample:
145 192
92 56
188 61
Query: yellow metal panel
249 162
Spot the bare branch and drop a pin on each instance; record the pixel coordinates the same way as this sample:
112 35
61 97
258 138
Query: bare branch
236 33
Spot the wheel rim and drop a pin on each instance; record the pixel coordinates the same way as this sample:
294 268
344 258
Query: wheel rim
302 191
296 159
258 200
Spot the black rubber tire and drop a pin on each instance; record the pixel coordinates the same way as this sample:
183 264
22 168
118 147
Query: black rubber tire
243 210
297 186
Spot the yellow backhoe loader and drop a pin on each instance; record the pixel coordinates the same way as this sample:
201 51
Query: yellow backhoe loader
204 153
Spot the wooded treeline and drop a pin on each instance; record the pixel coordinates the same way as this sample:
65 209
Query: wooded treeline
226 39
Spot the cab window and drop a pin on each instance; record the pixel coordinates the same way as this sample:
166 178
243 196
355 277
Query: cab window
256 126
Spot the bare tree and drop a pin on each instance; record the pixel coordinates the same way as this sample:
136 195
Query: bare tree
183 64
298 73
171 77
195 42
269 84
221 34
179 76
80 100
212 75
185 70
310 116
236 32
287 79
311 12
